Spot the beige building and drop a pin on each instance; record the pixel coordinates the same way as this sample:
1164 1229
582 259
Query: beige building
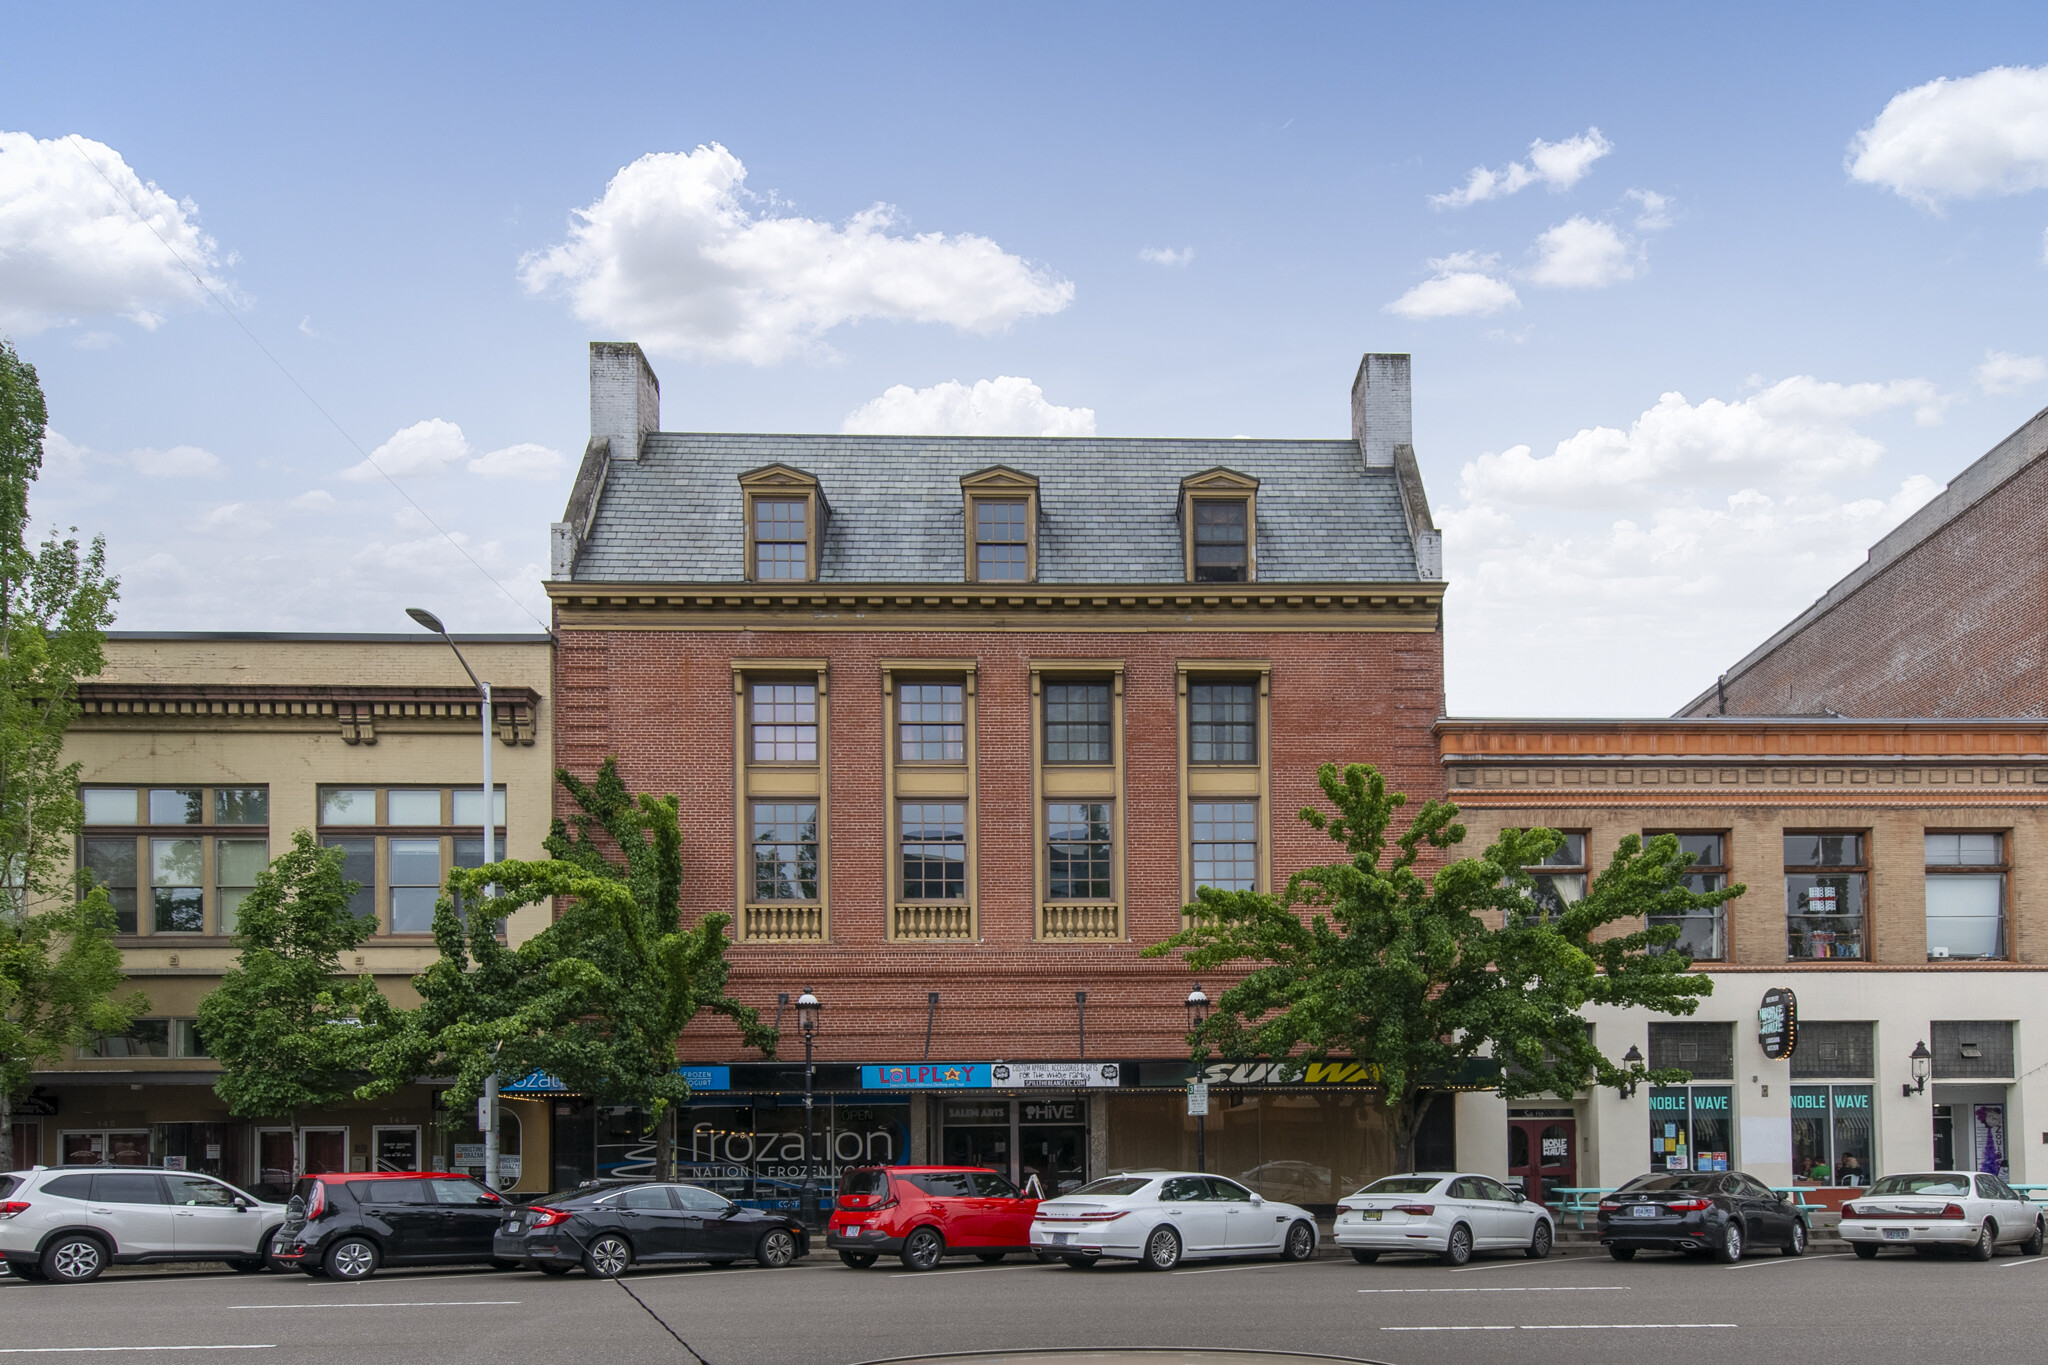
202 754
1897 886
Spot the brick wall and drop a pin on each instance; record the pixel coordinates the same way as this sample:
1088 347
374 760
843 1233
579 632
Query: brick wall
662 701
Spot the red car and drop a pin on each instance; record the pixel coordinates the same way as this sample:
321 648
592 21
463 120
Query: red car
922 1214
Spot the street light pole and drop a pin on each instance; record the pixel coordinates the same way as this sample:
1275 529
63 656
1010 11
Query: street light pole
1198 1010
489 1106
807 1008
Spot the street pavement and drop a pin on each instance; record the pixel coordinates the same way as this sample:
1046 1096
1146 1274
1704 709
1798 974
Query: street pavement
1582 1308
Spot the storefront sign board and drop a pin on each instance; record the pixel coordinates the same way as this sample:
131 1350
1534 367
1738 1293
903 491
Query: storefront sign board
38 1104
1056 1075
1777 1023
926 1076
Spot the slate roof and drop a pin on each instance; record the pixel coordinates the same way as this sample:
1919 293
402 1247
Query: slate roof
1107 508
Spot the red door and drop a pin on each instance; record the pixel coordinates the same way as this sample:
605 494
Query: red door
1543 1155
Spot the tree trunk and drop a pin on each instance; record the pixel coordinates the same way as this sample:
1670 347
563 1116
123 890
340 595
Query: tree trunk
7 1162
1408 1120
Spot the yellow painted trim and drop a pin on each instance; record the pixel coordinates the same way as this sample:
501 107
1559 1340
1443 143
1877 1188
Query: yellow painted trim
1225 779
926 781
776 779
784 780
1050 781
1073 783
1220 485
784 483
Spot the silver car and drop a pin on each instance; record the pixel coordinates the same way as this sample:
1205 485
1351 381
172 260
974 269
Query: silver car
66 1224
1159 1218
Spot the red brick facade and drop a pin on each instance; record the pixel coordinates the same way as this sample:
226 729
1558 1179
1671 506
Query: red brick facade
662 700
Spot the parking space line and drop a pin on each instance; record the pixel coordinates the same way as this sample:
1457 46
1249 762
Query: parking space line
1567 1327
945 1270
1524 1264
385 1303
2031 1260
1511 1289
96 1350
1219 1269
1791 1260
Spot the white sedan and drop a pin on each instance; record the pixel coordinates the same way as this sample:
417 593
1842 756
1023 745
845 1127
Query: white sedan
1952 1209
1160 1218
1446 1214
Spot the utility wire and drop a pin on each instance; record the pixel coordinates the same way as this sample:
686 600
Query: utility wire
72 140
621 1283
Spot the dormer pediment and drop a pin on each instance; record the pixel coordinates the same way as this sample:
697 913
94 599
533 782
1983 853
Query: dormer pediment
1219 480
998 479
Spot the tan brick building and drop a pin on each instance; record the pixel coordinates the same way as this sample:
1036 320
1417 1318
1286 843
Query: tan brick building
1897 884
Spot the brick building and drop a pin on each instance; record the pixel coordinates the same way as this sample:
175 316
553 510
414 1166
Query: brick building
1947 617
1897 885
959 724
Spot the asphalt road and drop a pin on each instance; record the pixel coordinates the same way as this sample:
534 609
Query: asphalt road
1579 1308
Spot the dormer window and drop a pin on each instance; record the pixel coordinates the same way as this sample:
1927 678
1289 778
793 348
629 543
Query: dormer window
999 507
785 512
1219 524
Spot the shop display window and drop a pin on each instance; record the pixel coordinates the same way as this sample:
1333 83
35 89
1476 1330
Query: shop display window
754 1153
1831 1134
1826 890
1965 897
1691 1128
119 1147
1702 934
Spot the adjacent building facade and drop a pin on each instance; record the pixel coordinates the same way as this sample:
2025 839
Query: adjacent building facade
1896 879
959 725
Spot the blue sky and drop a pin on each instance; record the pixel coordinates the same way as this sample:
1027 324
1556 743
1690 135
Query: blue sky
1736 315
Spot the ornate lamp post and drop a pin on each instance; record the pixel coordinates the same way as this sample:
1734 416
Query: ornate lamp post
807 1008
1198 1010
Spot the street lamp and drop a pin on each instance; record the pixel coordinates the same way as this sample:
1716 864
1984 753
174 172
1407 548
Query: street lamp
807 1008
1631 1058
1198 1011
1920 1059
490 1097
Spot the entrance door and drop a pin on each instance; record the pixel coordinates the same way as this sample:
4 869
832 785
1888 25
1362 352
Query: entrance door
1052 1144
326 1150
1543 1155
396 1149
28 1148
276 1163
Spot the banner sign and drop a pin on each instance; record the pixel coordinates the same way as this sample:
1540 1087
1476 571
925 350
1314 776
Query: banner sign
1777 1023
699 1077
1056 1075
706 1077
926 1076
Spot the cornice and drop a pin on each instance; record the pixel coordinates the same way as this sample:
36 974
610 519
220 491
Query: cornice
1067 607
1741 740
358 710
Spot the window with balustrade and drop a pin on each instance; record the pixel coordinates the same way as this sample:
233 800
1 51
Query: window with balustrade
1079 817
779 741
1225 774
929 776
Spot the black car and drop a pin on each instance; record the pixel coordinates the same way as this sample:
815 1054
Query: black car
1701 1213
609 1227
347 1225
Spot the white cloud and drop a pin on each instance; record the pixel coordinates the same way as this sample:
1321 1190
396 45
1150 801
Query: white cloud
72 245
2004 372
1580 253
675 256
1959 139
233 519
421 450
1798 430
1167 255
1560 165
1655 208
1004 406
523 461
179 462
1460 288
313 500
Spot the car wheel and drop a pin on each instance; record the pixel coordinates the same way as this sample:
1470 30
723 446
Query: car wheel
1865 1251
1081 1262
1986 1245
859 1260
1458 1248
607 1257
351 1258
923 1249
1300 1244
1731 1248
1622 1253
1364 1257
1540 1244
74 1259
1797 1246
551 1267
1162 1249
2035 1240
776 1249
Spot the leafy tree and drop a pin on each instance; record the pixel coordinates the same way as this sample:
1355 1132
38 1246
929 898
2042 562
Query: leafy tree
59 969
290 1032
1418 977
600 996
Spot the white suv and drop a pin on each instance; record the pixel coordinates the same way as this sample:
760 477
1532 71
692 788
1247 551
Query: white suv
68 1223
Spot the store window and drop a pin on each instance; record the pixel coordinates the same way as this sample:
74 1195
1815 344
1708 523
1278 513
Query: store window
1965 897
1831 1134
1561 877
106 1147
1702 934
148 847
398 843
1690 1129
1826 888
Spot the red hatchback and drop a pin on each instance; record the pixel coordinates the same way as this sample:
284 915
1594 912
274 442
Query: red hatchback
922 1214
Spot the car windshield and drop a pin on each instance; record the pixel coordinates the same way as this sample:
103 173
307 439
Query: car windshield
1658 1184
862 1183
1941 1183
1112 1187
1403 1184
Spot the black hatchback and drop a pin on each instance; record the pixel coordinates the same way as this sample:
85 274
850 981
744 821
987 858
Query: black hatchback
1702 1213
610 1227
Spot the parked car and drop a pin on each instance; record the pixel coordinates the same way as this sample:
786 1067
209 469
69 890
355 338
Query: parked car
66 1224
347 1225
611 1227
1160 1218
1717 1213
1446 1214
1943 1210
923 1214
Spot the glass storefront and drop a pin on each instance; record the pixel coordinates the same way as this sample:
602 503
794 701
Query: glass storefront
1303 1148
1046 1139
1691 1128
1831 1134
754 1152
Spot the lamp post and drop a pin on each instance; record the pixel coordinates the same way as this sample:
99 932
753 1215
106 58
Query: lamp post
1198 1010
807 1008
1920 1059
1631 1058
488 1106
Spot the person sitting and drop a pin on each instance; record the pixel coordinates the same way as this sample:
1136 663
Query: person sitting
1851 1172
1821 1173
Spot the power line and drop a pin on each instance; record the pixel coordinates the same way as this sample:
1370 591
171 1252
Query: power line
72 140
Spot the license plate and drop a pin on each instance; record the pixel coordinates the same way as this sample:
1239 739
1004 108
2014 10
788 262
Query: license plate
1371 1215
1644 1211
1897 1234
1065 1238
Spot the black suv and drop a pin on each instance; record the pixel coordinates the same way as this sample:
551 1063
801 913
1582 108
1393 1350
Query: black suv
1702 1213
347 1225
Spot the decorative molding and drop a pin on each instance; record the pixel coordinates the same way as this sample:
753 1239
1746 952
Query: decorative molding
359 711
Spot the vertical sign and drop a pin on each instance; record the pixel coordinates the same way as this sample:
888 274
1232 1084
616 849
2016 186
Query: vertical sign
1198 1099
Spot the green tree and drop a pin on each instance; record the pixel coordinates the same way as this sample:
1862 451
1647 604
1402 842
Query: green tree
1422 977
599 997
290 1031
59 969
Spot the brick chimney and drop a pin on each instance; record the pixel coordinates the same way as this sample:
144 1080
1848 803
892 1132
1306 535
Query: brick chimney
1380 412
625 397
